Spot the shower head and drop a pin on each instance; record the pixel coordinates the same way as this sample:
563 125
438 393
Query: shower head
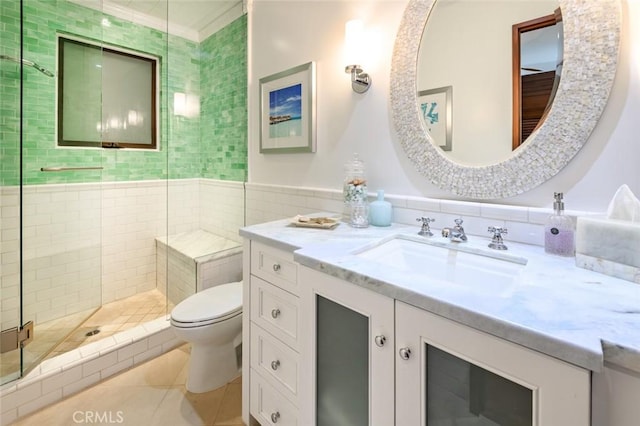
29 64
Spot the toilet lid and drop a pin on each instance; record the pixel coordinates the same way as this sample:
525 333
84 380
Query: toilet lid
213 303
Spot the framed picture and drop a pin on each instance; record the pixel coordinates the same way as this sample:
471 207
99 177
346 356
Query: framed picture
288 111
436 108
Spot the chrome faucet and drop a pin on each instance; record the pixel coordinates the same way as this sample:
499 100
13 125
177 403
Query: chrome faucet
455 234
497 242
425 230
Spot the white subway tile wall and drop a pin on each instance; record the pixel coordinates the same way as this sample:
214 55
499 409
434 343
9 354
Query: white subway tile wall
525 224
221 208
87 244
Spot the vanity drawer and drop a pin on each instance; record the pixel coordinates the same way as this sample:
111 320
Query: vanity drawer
268 406
276 311
275 361
275 266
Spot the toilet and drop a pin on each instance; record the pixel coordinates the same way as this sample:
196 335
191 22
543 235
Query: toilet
211 321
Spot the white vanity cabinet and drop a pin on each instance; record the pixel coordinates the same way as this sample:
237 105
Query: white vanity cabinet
347 351
615 397
271 336
448 372
370 360
319 350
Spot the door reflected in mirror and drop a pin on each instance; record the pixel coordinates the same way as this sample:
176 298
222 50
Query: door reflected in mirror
537 68
468 45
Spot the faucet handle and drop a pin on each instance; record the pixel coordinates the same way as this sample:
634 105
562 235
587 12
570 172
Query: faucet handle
425 230
497 242
458 221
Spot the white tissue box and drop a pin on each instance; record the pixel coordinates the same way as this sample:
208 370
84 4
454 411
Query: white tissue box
609 246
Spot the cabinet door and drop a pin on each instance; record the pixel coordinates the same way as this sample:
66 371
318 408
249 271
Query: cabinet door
448 373
615 397
347 343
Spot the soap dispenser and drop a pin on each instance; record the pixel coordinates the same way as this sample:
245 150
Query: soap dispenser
559 231
380 211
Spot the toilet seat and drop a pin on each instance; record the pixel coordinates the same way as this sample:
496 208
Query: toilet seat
210 306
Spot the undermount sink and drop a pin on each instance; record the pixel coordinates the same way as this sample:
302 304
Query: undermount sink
454 263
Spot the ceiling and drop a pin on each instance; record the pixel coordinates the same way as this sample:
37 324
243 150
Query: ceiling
192 19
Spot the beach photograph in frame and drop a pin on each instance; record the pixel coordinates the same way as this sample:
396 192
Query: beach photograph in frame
436 107
287 111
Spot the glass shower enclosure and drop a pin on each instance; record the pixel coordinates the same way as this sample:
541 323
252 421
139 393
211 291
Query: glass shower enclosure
59 214
81 216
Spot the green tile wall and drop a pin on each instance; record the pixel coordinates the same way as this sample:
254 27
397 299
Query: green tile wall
188 147
223 132
9 91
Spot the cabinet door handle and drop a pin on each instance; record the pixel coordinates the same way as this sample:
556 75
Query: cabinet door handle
405 353
275 416
276 267
275 313
380 341
275 364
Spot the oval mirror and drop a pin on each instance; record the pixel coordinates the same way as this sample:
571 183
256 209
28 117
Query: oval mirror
589 65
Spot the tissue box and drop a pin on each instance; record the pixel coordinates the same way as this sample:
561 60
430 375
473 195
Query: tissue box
609 246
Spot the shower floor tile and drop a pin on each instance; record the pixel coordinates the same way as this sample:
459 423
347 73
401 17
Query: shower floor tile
152 393
58 336
114 317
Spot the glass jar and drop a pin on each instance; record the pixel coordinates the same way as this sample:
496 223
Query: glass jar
359 216
355 184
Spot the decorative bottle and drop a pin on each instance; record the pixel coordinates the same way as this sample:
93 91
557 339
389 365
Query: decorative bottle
380 211
356 206
559 231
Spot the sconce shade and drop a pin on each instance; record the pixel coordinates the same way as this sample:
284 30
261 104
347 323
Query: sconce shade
354 43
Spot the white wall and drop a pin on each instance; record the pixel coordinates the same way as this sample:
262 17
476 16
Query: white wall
283 34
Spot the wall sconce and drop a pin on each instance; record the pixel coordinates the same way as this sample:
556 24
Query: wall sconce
354 44
186 105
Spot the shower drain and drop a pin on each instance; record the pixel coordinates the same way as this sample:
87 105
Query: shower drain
92 332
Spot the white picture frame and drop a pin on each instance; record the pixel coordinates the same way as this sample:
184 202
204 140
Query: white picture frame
288 111
436 108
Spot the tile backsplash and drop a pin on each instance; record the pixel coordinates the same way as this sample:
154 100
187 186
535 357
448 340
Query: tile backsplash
525 225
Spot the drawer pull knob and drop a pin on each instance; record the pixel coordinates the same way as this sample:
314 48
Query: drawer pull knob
276 267
380 341
275 364
275 313
405 353
275 416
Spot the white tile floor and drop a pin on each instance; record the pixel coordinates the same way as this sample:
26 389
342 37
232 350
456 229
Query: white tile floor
150 394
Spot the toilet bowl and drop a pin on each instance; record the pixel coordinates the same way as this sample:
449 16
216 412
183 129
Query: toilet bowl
211 321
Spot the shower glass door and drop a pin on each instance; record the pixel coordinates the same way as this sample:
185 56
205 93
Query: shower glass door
51 196
10 94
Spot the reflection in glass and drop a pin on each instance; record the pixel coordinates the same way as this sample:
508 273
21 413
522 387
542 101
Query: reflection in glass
537 68
459 392
474 57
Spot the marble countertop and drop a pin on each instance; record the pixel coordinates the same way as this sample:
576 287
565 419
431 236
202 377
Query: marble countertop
552 306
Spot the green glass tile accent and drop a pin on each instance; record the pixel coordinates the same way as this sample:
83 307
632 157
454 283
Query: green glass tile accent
9 92
223 130
211 143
